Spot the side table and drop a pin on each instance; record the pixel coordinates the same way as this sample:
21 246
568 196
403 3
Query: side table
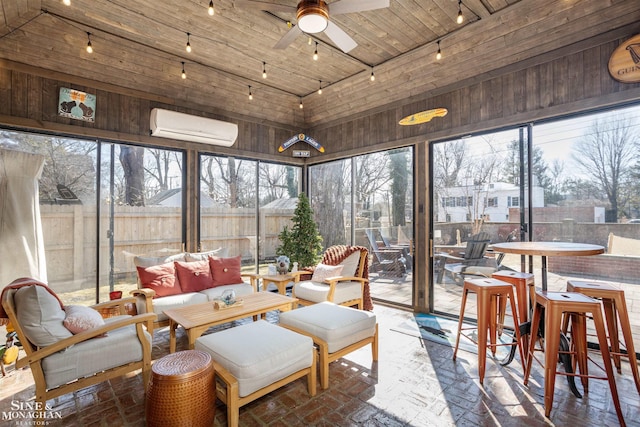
181 390
280 280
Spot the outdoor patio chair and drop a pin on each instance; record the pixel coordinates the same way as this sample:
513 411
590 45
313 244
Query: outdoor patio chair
386 261
404 247
471 262
67 347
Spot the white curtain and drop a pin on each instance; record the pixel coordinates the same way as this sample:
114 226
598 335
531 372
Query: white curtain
21 242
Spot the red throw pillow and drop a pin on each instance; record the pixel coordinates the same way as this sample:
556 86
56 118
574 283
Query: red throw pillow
194 276
226 271
161 278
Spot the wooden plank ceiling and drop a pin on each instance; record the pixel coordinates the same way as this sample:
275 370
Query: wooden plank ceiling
140 45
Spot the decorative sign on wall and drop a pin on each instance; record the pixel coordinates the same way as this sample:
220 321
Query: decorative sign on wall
300 137
301 153
624 62
423 117
76 105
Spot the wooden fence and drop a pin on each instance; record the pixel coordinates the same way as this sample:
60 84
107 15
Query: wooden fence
70 238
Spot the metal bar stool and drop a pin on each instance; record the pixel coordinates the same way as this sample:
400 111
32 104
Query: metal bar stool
615 310
525 288
487 291
553 305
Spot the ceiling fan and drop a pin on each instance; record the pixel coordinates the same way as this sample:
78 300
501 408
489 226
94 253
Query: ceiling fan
313 16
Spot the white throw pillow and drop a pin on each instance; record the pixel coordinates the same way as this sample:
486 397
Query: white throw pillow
324 271
80 318
40 315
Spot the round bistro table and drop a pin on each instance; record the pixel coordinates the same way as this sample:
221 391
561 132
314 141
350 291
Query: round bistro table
546 249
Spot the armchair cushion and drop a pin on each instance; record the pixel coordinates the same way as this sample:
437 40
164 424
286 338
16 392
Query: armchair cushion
323 272
41 316
119 347
175 301
161 278
80 318
319 292
194 276
226 271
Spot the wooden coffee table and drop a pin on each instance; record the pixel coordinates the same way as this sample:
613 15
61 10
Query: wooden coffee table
197 318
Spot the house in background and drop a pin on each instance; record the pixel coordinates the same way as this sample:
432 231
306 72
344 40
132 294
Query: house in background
489 202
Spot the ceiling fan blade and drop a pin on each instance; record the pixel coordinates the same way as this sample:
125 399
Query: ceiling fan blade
340 38
288 38
349 6
263 5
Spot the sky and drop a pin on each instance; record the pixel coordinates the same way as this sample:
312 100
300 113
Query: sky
556 139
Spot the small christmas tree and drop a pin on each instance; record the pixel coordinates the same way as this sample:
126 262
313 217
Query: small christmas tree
303 243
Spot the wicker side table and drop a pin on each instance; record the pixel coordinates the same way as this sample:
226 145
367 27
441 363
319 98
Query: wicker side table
181 390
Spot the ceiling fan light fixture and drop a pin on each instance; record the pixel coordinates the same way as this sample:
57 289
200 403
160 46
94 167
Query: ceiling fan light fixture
312 16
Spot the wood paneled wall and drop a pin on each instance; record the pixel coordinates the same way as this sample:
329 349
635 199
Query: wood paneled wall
30 100
574 79
571 82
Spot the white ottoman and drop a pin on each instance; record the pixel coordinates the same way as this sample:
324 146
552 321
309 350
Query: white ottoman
335 329
255 359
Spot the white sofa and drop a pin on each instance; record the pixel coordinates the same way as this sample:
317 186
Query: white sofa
152 296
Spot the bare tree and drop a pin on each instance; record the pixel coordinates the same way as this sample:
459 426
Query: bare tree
606 155
556 181
273 182
158 166
448 159
372 175
329 185
132 160
229 181
69 162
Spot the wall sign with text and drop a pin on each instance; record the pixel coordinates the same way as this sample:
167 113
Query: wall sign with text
301 137
76 105
624 63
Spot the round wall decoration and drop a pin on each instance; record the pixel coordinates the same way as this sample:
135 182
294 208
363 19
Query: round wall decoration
624 62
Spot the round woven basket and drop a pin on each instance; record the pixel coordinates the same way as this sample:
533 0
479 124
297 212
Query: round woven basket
181 390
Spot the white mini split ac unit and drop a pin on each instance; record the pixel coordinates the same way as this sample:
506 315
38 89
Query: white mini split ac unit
171 124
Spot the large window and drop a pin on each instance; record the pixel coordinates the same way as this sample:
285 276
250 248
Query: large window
583 174
368 201
140 211
102 204
244 205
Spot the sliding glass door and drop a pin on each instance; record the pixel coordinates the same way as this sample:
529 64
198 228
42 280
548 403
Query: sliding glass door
567 180
368 201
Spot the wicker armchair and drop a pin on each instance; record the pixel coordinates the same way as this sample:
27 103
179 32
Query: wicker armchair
61 362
